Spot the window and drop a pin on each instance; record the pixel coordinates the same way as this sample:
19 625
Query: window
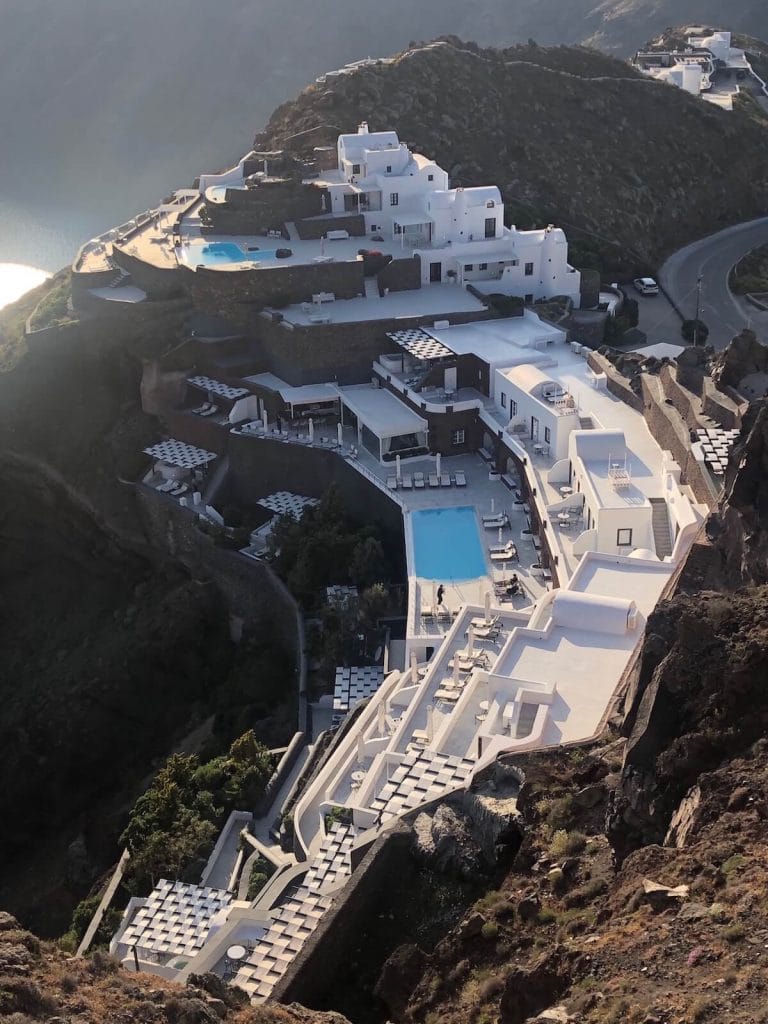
355 168
430 177
503 400
389 168
623 538
529 270
490 204
514 263
482 266
547 434
468 267
529 298
512 407
394 198
457 437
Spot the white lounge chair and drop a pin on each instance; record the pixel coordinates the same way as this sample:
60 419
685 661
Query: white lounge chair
501 548
418 481
460 478
167 486
505 554
406 483
494 523
434 480
392 483
445 479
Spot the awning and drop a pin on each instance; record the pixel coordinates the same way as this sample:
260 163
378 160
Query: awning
308 394
411 219
217 387
419 344
177 453
381 411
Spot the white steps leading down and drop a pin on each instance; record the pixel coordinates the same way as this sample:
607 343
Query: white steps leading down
660 522
298 915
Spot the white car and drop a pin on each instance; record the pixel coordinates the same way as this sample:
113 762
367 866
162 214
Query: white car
646 286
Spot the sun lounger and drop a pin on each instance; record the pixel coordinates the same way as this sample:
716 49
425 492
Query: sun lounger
505 554
497 548
480 622
434 480
211 412
460 479
445 479
448 695
167 486
418 481
406 483
495 524
392 483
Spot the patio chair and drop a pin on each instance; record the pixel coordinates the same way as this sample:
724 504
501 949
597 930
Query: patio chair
166 486
418 481
434 480
496 523
501 548
445 479
460 479
406 483
392 483
505 554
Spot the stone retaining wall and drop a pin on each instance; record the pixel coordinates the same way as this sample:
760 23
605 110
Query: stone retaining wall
237 294
157 282
617 383
316 227
400 275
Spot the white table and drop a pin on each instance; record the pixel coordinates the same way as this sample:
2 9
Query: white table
566 490
237 952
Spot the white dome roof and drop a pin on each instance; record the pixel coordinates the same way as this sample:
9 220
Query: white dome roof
644 553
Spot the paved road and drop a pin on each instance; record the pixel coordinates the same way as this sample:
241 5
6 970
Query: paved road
713 258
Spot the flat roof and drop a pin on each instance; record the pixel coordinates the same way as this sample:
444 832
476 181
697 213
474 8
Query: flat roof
506 342
437 300
380 411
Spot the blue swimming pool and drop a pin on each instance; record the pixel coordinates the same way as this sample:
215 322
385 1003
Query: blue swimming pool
446 544
214 253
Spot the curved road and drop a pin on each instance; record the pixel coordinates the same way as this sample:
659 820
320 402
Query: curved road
712 258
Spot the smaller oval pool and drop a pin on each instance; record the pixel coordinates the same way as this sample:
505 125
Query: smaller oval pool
447 545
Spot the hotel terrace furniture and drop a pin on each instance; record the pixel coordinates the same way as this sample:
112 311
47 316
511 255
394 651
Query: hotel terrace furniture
406 483
392 483
496 522
460 479
445 480
418 481
500 549
505 554
434 480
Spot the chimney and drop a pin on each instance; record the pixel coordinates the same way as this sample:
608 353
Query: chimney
362 128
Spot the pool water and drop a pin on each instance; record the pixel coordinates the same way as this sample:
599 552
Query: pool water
446 544
214 253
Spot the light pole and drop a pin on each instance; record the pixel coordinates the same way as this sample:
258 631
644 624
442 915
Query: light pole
698 312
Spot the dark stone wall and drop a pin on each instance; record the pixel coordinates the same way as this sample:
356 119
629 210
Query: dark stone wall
82 280
618 384
474 373
400 275
328 951
237 294
260 466
197 430
268 207
157 282
135 313
354 223
322 352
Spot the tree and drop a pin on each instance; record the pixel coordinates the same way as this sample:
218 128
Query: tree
367 564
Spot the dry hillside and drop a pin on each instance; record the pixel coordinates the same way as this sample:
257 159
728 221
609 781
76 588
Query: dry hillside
570 135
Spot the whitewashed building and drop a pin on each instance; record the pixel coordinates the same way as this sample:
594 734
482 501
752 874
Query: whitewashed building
458 233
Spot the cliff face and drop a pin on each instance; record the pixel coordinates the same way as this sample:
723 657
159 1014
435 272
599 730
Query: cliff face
38 983
570 136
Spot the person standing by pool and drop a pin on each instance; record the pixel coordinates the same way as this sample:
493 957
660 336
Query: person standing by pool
440 592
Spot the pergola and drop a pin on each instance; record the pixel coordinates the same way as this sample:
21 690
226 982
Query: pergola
386 426
412 227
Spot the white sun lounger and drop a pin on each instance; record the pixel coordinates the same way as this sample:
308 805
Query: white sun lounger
434 480
500 548
418 481
167 486
460 478
494 524
392 483
406 483
445 479
505 555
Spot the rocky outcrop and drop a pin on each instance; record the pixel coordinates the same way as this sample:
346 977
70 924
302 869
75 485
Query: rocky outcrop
744 355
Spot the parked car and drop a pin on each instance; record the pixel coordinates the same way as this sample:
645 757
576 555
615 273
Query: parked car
646 286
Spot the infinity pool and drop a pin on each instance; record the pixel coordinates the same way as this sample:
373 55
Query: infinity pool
446 544
215 253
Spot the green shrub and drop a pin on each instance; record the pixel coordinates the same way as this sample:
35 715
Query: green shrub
567 844
52 310
559 811
490 930
734 932
694 330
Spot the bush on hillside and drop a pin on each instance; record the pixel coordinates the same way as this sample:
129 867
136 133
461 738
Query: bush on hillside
173 826
506 305
694 331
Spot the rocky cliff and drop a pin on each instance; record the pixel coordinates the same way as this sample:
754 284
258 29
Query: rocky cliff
628 166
